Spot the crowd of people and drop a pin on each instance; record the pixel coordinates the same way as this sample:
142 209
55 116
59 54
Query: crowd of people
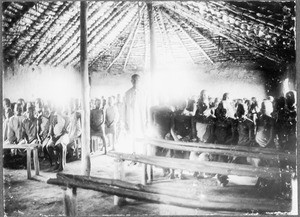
226 121
243 122
55 128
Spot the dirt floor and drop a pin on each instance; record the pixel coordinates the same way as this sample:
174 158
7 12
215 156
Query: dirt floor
35 197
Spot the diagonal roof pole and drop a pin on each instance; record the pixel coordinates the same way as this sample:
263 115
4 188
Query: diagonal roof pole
133 39
174 21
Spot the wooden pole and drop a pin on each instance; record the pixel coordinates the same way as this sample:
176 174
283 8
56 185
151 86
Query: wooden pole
36 161
187 192
85 159
152 74
119 174
70 201
28 152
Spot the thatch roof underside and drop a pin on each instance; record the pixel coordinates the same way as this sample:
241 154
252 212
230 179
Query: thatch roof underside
119 35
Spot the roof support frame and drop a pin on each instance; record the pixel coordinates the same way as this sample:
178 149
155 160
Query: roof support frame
174 21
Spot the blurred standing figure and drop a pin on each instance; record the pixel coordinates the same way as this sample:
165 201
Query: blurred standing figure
121 111
97 122
135 110
111 118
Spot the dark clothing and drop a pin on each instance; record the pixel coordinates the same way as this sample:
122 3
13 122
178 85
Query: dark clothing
30 129
223 130
245 132
43 126
97 120
161 117
182 125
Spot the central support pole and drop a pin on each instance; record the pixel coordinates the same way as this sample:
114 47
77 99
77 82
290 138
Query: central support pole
148 170
85 90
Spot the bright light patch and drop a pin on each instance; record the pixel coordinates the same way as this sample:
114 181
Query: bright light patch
285 86
55 84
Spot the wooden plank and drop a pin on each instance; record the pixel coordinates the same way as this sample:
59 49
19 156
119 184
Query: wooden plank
70 201
20 146
236 148
206 166
85 92
200 203
28 153
222 151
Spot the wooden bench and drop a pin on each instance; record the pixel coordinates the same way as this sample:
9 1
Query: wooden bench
121 189
229 150
28 148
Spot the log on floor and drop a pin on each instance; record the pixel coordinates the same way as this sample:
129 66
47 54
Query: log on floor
200 203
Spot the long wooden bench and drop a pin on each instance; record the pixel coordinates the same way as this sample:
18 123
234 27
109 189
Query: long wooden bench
28 148
122 189
168 195
229 150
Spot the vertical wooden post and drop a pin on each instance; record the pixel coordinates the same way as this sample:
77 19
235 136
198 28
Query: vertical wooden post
85 139
70 201
144 167
28 152
119 174
36 161
148 172
152 51
294 184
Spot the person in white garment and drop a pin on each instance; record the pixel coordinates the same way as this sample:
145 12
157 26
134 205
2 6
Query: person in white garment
135 112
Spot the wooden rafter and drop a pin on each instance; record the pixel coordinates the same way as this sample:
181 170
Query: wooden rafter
174 22
165 34
50 46
114 14
112 29
20 14
73 40
146 29
130 37
237 40
193 29
105 48
17 42
133 39
22 56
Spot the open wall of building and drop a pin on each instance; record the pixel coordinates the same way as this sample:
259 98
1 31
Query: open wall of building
58 84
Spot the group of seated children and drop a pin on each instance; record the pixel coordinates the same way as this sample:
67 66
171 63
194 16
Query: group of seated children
243 122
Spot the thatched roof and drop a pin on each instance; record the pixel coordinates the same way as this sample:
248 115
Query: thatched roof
118 33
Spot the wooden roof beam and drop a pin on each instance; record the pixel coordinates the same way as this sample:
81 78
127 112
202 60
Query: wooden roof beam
109 27
130 37
165 35
22 56
73 40
236 40
48 49
192 28
20 40
96 28
174 21
133 39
